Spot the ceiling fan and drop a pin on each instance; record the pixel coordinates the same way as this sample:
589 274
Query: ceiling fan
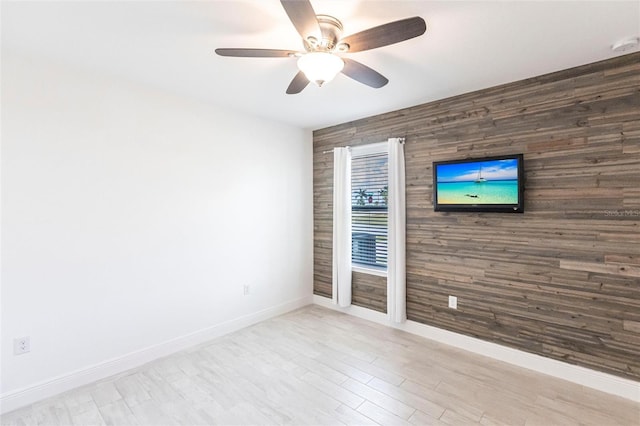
321 59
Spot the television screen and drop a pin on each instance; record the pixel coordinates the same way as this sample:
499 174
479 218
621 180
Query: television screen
492 184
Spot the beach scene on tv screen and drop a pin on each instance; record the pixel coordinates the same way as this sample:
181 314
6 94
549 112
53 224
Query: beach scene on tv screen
481 182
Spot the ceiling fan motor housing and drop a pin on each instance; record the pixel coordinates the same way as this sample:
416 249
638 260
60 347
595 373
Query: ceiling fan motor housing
331 31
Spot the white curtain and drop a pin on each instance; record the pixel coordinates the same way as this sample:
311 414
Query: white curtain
396 269
342 227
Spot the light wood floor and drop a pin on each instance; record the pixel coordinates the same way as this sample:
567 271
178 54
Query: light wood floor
318 367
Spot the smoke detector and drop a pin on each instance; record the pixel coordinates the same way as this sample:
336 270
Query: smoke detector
626 44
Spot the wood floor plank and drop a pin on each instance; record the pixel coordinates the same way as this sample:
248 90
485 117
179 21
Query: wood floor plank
86 414
105 393
422 404
321 368
351 372
336 391
421 419
53 412
117 413
381 399
454 403
150 413
132 390
454 418
351 417
381 416
373 370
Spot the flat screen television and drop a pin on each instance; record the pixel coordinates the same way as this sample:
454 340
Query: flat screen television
490 184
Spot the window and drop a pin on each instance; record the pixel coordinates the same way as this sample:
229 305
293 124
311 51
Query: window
369 199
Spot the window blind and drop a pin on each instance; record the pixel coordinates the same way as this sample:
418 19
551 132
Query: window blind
369 198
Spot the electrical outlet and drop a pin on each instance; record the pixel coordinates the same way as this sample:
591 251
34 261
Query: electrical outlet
453 302
247 289
21 345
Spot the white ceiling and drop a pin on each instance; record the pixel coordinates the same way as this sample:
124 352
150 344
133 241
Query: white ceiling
469 45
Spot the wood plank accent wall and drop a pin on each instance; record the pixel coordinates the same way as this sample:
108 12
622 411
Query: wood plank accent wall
561 280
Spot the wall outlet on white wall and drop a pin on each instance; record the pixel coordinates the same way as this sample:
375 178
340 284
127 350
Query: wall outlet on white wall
453 302
247 289
21 345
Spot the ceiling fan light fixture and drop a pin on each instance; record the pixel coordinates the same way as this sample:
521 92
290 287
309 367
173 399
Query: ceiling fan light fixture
320 67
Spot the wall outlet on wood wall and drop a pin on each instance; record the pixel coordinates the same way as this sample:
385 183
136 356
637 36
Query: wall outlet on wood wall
453 302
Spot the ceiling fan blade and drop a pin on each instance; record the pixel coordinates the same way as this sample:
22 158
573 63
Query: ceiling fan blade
298 84
384 35
303 17
256 53
363 74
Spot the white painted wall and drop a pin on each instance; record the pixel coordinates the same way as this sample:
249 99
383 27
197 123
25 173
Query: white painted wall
131 217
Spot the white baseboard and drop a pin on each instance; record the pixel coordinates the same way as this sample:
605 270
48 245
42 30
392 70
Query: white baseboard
604 382
12 400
